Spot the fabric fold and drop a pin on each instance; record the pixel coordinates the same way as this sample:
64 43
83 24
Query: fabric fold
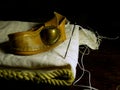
55 67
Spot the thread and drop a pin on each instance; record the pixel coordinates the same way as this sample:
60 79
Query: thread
89 87
100 37
83 51
86 51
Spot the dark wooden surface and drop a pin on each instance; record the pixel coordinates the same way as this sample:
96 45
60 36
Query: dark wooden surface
104 65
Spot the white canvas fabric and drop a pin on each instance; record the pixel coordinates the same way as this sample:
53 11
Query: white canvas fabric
65 54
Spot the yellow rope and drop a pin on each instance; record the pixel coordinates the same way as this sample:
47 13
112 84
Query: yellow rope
56 77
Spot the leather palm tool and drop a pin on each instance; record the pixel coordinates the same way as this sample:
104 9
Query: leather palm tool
39 39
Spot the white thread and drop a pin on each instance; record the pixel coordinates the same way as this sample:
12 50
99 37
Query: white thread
82 47
99 38
84 70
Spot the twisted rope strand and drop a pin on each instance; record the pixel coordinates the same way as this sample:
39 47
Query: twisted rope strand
56 77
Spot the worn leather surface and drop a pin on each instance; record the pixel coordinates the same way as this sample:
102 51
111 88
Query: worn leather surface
30 42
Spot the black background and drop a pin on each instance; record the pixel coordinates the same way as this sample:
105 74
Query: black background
101 16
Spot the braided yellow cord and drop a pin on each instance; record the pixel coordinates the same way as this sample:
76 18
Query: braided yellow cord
56 77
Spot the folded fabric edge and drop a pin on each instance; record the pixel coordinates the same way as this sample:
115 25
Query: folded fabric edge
59 77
